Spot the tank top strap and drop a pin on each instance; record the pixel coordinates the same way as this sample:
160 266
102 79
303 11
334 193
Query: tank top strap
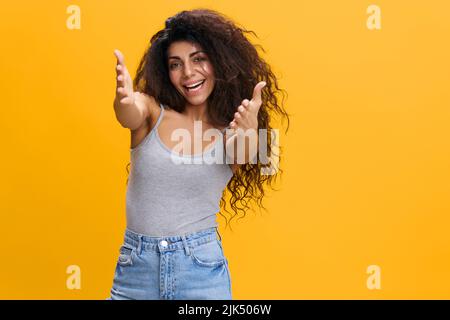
161 114
223 131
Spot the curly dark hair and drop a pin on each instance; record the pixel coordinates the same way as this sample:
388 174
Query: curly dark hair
238 68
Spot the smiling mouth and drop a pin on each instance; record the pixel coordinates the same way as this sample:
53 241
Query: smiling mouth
195 87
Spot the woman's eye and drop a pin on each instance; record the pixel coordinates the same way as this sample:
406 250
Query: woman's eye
196 59
199 59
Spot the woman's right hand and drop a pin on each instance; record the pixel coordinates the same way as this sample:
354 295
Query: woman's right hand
124 91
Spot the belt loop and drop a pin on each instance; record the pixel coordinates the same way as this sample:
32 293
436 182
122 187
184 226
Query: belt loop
186 245
217 230
139 248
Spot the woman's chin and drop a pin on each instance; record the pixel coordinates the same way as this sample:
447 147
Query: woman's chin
196 101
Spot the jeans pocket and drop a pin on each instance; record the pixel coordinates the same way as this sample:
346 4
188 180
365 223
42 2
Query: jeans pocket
126 255
208 254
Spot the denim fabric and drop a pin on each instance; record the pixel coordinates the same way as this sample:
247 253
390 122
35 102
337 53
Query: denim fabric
191 266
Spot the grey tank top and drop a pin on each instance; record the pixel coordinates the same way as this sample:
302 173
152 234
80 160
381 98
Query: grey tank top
166 198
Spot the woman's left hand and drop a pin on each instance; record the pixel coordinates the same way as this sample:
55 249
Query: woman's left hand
247 115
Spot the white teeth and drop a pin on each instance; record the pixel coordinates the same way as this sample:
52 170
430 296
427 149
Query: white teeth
195 84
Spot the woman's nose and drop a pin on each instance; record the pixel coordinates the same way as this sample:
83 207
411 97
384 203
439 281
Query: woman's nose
188 70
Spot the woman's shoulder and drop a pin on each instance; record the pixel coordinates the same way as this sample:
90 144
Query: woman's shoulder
153 112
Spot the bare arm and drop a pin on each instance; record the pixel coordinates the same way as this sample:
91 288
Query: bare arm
245 128
129 106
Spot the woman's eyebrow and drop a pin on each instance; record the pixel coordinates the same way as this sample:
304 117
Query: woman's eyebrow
190 55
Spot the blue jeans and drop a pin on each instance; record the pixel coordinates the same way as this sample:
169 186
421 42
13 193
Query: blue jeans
191 266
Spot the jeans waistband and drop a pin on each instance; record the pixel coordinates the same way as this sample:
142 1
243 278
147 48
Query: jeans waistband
170 243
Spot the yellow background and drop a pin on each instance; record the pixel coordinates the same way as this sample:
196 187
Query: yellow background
366 160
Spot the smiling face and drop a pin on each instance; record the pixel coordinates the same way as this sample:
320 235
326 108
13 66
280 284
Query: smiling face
190 71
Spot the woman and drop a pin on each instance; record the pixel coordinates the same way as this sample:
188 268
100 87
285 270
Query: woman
199 75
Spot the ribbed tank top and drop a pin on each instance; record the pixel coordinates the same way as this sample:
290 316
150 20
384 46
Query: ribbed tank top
164 198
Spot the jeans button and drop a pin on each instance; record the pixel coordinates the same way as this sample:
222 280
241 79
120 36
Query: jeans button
164 243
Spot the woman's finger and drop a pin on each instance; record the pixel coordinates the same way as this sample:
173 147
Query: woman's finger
120 80
126 100
121 68
257 93
122 92
120 57
122 76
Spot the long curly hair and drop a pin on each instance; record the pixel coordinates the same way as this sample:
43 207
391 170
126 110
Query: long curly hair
238 68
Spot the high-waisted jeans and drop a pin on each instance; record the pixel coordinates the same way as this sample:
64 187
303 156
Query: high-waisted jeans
191 266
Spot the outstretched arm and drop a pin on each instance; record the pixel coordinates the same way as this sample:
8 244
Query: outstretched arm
245 127
130 106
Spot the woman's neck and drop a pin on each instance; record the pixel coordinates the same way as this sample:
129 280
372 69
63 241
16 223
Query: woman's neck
196 113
